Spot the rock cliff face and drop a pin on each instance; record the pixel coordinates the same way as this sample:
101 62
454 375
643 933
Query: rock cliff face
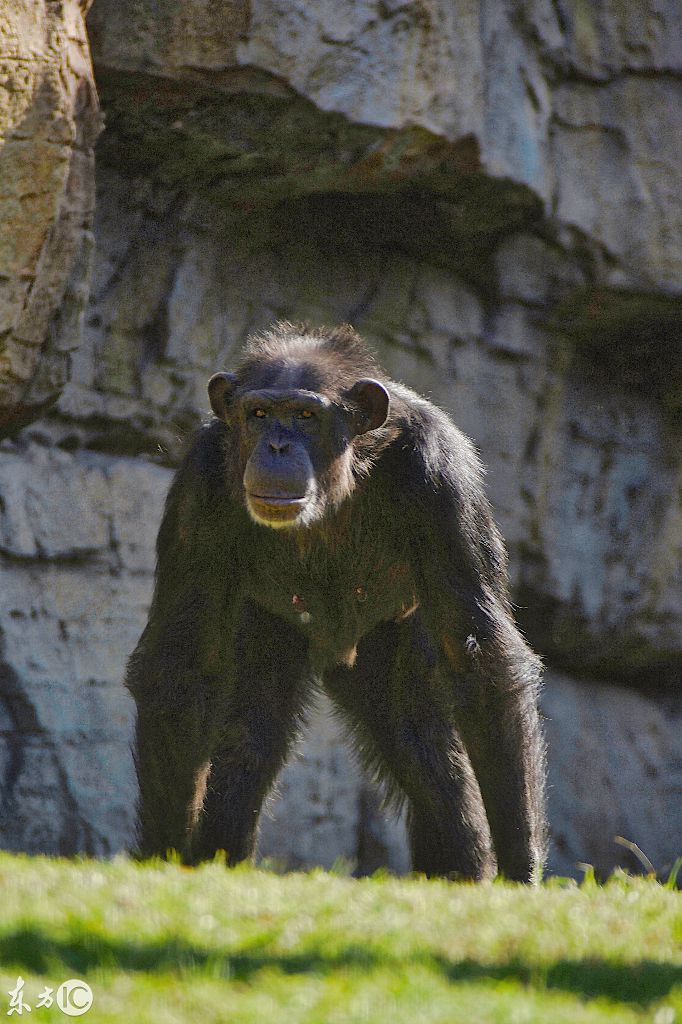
49 121
491 194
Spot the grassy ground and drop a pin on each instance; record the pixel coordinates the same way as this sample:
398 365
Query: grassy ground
159 943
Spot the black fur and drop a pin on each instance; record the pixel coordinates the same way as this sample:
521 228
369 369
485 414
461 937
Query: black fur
389 589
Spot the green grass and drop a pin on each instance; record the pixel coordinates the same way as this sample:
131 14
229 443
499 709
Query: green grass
160 944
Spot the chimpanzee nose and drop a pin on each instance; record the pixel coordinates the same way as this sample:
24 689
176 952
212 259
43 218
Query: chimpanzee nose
279 447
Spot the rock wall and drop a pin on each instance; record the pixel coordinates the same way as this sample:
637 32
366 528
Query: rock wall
491 194
49 121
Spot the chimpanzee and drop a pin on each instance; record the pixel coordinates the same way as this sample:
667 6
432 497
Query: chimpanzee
328 527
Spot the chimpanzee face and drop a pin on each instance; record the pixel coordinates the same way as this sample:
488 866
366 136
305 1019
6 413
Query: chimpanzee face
291 439
296 445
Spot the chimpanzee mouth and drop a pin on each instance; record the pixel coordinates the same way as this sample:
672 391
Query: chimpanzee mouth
279 500
276 510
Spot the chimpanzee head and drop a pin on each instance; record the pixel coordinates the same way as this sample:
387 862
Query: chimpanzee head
294 418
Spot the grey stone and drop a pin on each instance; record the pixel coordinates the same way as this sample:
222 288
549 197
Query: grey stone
604 509
531 271
50 510
74 596
618 153
615 769
450 306
375 64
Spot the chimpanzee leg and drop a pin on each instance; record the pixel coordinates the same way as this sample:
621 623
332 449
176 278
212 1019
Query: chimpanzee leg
398 710
495 705
171 753
261 718
175 713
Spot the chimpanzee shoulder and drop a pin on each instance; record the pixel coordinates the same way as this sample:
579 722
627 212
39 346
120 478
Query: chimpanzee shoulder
427 449
197 485
205 456
434 471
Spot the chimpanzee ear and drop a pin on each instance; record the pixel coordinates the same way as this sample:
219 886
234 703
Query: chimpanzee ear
372 401
220 388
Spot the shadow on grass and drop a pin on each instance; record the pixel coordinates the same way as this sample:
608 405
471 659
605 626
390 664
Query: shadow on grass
33 950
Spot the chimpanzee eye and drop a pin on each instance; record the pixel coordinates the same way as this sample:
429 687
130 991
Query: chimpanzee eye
260 413
305 414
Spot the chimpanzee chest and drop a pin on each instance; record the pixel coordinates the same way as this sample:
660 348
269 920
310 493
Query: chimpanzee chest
335 598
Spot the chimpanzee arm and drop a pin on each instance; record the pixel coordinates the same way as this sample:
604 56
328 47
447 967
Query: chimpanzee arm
460 566
178 672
